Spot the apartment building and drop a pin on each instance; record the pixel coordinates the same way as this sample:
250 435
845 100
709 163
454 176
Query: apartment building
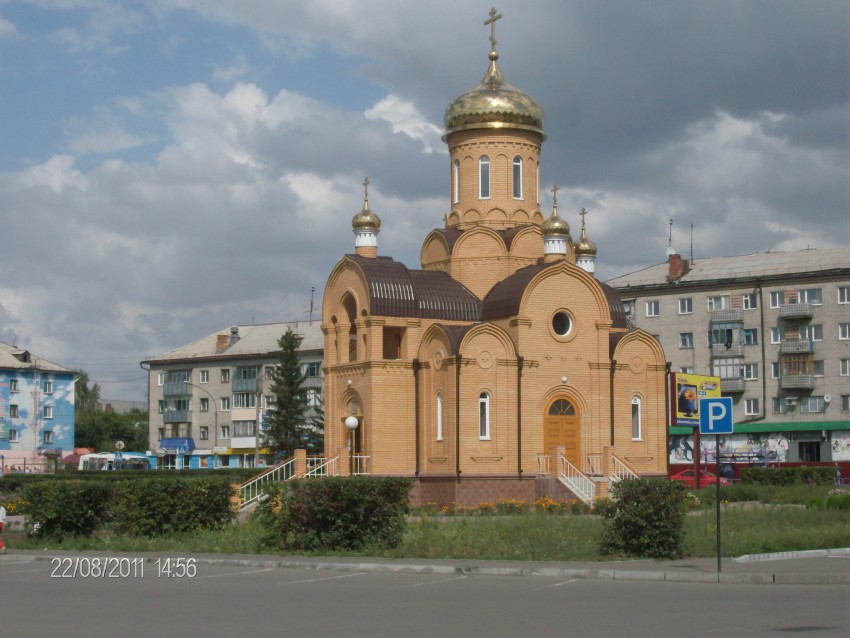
775 327
206 398
36 409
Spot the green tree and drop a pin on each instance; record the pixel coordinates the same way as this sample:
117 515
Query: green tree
287 427
100 430
315 430
85 397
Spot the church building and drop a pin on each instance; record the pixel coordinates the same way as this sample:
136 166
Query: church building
502 368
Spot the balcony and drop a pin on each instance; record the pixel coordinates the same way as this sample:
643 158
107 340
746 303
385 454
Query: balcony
732 385
175 389
797 382
244 385
727 315
725 351
795 311
170 415
796 346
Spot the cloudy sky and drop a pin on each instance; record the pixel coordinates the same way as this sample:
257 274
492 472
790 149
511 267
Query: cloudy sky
169 168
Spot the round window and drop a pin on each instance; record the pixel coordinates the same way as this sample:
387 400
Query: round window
561 324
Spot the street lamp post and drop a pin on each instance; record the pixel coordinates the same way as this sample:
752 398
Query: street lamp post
352 423
214 409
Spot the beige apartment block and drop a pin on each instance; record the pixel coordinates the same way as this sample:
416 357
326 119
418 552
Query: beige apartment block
775 327
502 368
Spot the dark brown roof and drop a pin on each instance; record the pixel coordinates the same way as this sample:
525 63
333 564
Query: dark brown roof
453 234
396 291
456 335
503 299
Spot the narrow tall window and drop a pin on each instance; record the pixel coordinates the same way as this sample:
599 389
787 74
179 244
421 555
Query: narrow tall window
439 416
484 177
517 177
484 416
456 182
636 433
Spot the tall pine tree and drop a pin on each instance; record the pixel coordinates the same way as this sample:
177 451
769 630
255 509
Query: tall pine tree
287 424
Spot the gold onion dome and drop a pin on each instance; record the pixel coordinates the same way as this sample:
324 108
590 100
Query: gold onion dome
366 218
555 225
494 104
584 246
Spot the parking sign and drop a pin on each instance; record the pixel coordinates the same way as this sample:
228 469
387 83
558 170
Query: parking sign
715 415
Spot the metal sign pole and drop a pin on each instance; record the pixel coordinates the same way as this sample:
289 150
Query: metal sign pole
717 492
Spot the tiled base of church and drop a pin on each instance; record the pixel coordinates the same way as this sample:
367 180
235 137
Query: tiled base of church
471 491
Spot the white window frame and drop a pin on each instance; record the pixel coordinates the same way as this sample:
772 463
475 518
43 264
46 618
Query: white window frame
14 386
843 331
776 335
779 405
203 376
204 433
755 336
750 301
48 387
843 294
312 397
244 400
686 305
686 340
484 177
225 404
48 412
160 379
812 332
775 368
225 375
456 171
750 371
439 416
653 308
751 407
807 294
517 177
14 436
808 403
484 416
845 406
818 368
777 298
723 300
47 437
687 369
637 419
224 432
844 367
205 404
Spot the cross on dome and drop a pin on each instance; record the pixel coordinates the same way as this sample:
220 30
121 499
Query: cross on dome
494 15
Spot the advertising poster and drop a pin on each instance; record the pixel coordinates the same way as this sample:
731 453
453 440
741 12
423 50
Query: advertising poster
841 446
686 390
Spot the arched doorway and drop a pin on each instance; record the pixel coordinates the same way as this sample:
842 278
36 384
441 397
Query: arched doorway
561 427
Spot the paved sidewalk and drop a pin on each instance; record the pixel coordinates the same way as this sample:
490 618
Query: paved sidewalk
815 567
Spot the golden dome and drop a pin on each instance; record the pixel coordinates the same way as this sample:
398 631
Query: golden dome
366 219
494 104
584 246
555 226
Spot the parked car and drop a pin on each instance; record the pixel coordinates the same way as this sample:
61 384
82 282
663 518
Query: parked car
705 478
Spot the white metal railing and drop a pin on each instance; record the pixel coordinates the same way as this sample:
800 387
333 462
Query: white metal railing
621 471
360 464
252 490
327 468
543 464
593 465
580 484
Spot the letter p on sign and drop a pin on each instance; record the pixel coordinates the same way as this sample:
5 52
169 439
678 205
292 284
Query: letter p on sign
715 416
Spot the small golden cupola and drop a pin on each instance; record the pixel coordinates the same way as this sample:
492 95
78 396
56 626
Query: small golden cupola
366 225
585 249
556 233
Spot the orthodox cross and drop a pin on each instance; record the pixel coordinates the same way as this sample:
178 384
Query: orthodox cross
583 213
555 196
366 189
494 15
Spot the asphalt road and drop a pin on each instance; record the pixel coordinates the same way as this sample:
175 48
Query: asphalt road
69 596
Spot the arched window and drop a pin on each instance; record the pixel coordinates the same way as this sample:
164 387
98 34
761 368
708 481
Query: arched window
439 416
517 177
484 177
562 407
456 194
636 418
484 416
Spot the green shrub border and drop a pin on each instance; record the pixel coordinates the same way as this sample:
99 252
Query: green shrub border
817 475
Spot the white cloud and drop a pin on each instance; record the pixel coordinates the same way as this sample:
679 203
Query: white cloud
405 118
6 28
237 68
57 173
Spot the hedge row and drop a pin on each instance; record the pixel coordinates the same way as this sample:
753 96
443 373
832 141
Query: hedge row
819 475
337 513
14 482
145 506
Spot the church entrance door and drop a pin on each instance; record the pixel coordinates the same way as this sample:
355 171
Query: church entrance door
561 427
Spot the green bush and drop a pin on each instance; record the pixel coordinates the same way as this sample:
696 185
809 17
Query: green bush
65 508
646 519
838 500
165 505
338 513
805 475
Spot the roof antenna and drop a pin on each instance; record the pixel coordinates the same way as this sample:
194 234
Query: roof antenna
312 290
692 243
670 249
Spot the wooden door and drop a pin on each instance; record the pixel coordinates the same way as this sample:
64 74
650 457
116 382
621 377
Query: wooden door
561 427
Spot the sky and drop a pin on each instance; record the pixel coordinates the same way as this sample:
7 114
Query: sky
169 168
